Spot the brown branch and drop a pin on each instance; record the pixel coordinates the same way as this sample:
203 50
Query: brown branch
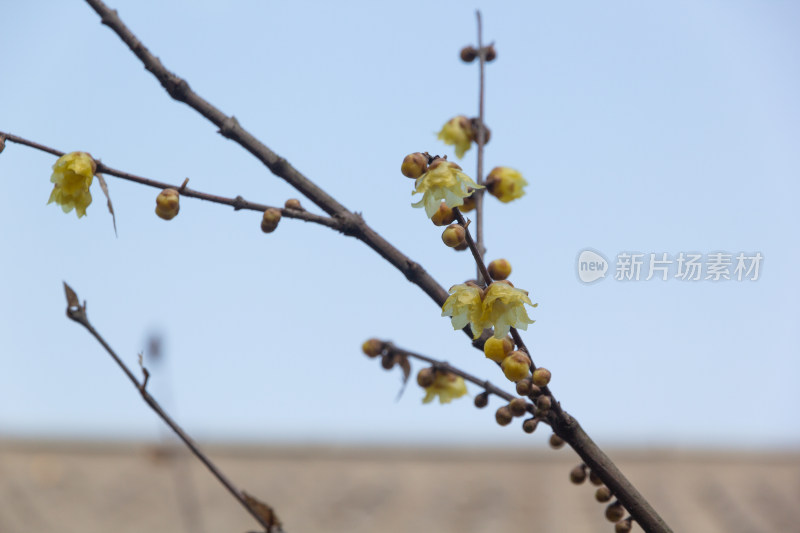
77 313
352 223
564 425
481 141
237 203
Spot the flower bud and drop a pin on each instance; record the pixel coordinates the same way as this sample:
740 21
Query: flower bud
623 526
498 349
517 406
556 442
426 377
168 204
388 361
603 494
499 269
541 377
524 387
482 400
503 416
594 479
468 54
529 426
535 392
491 53
443 216
372 347
293 203
487 133
615 512
544 402
469 204
270 220
516 365
414 165
578 474
454 235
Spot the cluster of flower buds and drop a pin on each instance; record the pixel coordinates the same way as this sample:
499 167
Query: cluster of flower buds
469 53
614 511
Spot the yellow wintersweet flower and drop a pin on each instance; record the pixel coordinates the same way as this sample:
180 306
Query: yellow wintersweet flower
504 308
457 132
464 305
73 174
443 181
446 386
505 184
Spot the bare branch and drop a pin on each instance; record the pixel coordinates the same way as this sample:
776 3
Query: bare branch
77 313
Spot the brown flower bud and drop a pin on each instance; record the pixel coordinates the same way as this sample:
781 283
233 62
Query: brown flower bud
454 235
578 474
517 406
524 387
372 347
541 377
529 426
487 133
443 216
469 204
535 392
503 416
168 204
544 402
603 494
269 222
387 361
499 269
426 377
615 512
491 53
482 400
594 479
556 442
414 165
468 54
623 526
293 203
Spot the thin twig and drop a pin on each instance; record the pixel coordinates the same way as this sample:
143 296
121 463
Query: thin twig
237 203
77 313
481 140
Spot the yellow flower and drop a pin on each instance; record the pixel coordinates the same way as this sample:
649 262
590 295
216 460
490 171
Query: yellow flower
446 386
505 183
504 308
465 307
457 132
443 181
73 174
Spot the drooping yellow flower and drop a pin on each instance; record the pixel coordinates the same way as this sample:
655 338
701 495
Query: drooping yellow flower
73 174
504 308
505 184
465 307
446 386
443 181
457 132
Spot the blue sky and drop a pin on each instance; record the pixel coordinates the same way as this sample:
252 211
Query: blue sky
639 126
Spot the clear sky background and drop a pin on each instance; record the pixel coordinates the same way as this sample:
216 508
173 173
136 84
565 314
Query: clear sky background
640 127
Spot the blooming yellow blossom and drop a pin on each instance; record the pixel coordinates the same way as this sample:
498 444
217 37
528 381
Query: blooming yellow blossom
465 307
457 132
443 181
73 174
446 386
504 308
505 183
